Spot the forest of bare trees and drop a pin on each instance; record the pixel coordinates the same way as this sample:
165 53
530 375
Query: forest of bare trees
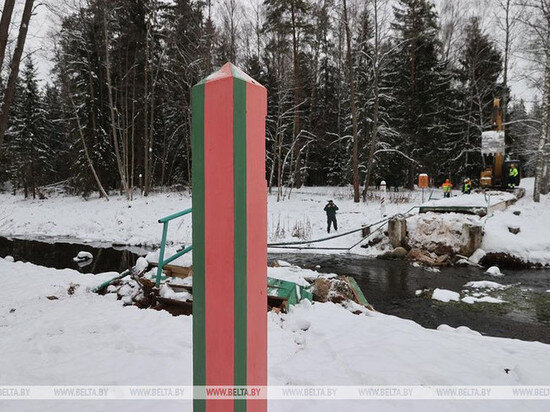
358 91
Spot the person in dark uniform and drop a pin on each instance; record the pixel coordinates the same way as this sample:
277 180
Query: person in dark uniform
330 210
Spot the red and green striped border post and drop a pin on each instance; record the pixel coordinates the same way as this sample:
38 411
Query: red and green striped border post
229 237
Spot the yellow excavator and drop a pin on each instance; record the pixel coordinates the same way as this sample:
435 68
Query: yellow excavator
493 149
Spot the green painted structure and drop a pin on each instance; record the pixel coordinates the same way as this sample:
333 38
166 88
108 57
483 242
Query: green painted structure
291 292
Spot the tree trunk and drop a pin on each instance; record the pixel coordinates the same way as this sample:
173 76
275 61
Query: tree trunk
297 181
33 177
25 187
4 29
279 165
14 69
376 110
146 137
507 26
114 130
355 155
541 183
151 125
86 153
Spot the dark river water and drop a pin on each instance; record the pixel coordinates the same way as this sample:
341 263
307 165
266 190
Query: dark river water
389 286
59 255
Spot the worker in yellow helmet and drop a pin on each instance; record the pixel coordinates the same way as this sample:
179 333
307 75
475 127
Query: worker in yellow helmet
467 188
447 188
512 176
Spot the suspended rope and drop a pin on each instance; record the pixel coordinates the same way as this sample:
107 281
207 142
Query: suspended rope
324 239
369 235
289 245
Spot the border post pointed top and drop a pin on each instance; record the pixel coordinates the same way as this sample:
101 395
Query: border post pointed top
229 70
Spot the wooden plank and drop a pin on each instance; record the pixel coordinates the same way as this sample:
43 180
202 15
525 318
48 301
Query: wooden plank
357 292
187 288
178 271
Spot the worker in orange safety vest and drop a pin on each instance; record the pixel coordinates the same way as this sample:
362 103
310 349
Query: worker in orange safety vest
447 187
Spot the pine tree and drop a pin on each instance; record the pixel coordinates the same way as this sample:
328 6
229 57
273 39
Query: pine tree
480 67
420 84
289 19
187 37
80 75
329 157
28 139
59 159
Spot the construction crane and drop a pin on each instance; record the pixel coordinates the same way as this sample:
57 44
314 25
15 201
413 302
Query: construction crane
493 150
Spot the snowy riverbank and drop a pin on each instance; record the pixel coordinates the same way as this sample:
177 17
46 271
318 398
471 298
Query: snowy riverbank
532 243
299 218
82 338
136 223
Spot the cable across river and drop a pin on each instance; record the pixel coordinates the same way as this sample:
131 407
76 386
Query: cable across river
288 245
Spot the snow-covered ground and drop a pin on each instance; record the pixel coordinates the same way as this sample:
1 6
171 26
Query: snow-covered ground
532 243
473 200
86 339
95 220
136 223
299 218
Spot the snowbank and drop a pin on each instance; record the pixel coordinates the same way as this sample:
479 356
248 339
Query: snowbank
85 338
463 330
95 220
532 243
429 231
302 277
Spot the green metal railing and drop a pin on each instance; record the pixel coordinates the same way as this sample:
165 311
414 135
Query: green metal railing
279 245
99 288
162 262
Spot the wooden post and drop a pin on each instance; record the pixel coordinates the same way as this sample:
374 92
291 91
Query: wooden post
229 237
383 190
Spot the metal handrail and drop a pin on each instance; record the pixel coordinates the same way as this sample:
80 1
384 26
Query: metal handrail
175 215
165 221
280 245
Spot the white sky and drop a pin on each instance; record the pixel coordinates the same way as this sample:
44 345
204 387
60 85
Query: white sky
38 43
